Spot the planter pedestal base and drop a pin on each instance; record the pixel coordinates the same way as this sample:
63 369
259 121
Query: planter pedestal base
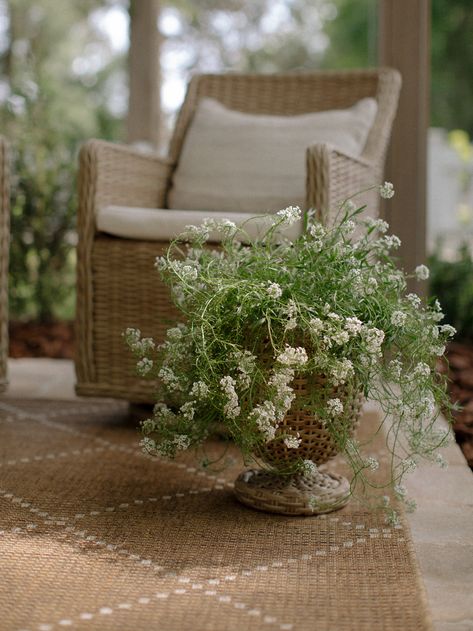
299 494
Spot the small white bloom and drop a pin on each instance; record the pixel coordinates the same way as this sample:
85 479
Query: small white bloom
448 329
348 227
438 350
309 467
293 356
340 337
231 407
350 206
386 190
200 390
395 367
316 325
414 299
144 366
398 318
181 442
422 272
409 465
371 286
274 290
378 224
341 371
400 491
353 325
335 407
188 410
372 463
422 370
290 215
265 417
169 378
292 442
374 339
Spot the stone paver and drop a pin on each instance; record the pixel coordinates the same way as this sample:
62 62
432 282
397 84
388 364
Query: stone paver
442 526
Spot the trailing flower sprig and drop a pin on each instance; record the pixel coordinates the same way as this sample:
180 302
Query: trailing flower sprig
256 313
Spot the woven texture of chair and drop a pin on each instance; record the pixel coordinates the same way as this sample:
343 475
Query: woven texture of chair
117 285
4 251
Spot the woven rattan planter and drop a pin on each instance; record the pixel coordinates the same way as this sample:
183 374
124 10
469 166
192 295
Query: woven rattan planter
304 494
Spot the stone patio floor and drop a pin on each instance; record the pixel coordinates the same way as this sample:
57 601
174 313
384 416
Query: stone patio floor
442 526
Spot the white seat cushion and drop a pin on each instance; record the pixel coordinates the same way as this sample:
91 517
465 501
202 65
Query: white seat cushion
253 163
160 224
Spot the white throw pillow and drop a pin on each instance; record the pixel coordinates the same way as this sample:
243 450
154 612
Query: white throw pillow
162 224
254 163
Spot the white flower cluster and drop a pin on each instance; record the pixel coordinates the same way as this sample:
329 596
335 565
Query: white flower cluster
187 410
386 190
144 366
341 371
422 272
292 442
291 356
398 318
309 467
290 215
290 311
169 378
335 407
422 370
377 224
264 415
284 395
316 325
245 365
372 463
274 290
231 407
353 325
448 329
199 390
374 339
138 345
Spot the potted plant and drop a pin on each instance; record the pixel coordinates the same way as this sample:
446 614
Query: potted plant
282 341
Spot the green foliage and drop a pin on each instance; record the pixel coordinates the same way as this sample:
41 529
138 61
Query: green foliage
50 110
452 283
452 60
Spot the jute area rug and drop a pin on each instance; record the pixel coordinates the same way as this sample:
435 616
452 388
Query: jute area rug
95 535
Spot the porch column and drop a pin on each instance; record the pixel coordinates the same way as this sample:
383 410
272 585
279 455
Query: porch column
144 72
404 43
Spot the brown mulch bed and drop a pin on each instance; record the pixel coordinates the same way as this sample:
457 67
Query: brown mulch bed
38 339
56 340
460 358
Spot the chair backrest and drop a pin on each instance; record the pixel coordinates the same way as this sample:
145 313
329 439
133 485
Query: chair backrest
297 93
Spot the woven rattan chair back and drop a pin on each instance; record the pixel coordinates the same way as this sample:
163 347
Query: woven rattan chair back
296 93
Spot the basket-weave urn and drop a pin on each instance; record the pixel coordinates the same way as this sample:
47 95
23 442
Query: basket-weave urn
308 493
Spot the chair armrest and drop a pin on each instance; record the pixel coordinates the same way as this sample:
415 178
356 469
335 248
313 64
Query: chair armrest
108 174
118 174
332 176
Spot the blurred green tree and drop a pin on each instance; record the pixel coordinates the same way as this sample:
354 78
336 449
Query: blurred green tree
56 74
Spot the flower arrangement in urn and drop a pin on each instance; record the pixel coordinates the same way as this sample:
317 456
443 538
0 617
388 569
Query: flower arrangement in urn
281 342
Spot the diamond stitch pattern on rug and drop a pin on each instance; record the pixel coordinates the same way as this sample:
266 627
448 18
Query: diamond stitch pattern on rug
96 535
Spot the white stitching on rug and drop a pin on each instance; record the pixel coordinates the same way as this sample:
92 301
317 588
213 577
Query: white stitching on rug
212 581
43 420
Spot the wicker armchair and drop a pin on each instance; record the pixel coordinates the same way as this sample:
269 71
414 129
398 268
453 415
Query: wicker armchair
117 285
4 248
